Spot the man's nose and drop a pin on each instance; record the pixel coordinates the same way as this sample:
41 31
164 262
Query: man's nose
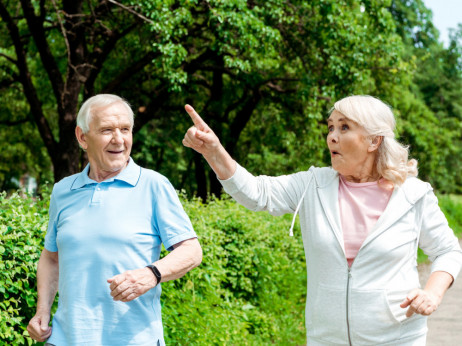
117 136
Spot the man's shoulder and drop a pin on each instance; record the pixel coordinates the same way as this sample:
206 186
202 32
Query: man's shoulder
65 183
153 177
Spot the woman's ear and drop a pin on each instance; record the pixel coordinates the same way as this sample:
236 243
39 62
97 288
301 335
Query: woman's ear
375 143
81 138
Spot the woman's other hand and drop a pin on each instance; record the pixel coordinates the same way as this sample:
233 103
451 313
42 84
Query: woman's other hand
426 301
420 302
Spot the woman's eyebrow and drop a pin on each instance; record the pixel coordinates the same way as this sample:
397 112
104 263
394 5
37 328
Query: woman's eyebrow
329 120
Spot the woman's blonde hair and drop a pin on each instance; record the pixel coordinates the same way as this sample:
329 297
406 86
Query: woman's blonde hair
376 117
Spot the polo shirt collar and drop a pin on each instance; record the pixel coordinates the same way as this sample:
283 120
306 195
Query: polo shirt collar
130 175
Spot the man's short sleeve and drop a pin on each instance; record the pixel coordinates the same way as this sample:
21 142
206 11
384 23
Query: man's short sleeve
50 238
170 218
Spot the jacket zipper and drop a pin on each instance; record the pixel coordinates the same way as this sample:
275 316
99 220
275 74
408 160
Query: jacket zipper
347 306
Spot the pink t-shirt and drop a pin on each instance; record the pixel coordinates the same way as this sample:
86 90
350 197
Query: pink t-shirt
361 205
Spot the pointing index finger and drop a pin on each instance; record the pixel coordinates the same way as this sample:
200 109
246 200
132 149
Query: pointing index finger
197 120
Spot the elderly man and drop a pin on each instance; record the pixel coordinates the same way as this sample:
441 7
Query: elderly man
104 239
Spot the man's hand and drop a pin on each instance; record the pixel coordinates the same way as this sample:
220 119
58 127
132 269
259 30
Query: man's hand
421 302
131 284
200 137
38 327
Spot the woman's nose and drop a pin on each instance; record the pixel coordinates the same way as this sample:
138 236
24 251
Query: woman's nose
332 137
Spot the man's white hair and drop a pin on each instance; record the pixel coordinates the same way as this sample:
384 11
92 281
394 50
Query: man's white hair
85 114
376 117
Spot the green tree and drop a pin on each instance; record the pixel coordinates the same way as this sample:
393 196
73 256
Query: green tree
430 105
262 73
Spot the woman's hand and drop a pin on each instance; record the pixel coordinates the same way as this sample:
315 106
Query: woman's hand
426 301
200 137
421 302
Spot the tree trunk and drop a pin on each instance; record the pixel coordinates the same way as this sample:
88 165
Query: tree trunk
201 177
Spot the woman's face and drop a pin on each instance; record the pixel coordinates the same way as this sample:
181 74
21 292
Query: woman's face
352 153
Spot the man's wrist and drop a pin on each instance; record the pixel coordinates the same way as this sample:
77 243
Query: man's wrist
156 273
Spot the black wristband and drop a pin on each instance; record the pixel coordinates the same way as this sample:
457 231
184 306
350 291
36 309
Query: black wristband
156 273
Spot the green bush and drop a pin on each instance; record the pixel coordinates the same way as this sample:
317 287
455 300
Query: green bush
23 224
249 290
452 208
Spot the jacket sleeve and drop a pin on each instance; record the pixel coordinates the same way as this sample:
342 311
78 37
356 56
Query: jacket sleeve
437 239
277 195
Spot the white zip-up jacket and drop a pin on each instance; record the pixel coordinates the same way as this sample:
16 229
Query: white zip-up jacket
357 305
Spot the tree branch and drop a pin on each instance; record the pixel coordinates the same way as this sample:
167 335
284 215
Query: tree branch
130 71
25 79
9 58
99 57
38 33
242 118
128 9
14 122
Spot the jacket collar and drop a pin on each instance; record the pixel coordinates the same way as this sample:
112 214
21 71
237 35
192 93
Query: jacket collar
327 188
129 175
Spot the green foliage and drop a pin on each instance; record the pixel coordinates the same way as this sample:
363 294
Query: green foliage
430 105
23 224
263 74
250 288
452 208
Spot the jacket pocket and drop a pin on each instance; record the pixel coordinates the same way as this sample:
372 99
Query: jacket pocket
394 299
326 315
371 318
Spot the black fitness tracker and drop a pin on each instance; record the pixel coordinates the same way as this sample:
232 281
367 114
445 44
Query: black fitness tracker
156 273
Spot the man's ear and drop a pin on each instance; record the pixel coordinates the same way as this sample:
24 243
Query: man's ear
375 143
81 138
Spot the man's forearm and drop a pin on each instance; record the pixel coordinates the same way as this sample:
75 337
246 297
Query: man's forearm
185 256
47 280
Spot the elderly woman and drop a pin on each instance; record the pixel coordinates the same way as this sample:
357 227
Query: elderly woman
362 221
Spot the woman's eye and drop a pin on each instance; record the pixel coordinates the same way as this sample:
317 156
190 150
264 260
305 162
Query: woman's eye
345 127
330 128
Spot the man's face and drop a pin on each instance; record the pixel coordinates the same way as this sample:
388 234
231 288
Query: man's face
108 142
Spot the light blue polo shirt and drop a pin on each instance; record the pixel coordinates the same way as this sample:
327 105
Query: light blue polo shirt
103 229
